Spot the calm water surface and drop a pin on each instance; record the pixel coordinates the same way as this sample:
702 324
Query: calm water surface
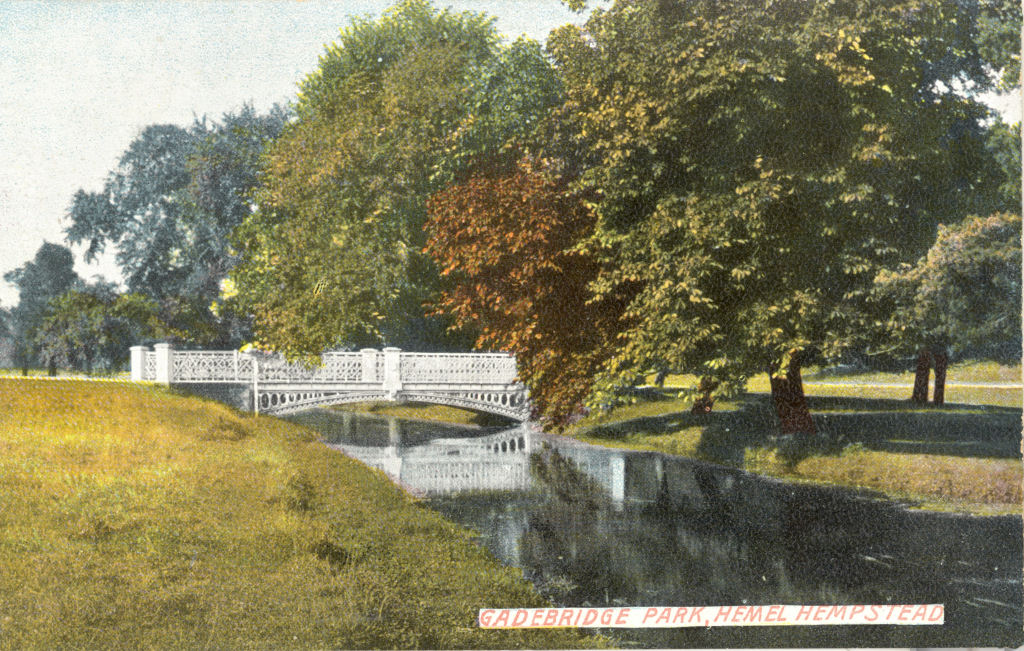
596 526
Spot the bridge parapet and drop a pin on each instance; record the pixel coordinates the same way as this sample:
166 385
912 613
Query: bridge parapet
367 365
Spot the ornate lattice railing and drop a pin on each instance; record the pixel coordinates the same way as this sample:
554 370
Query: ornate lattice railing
366 366
149 369
458 368
204 366
336 368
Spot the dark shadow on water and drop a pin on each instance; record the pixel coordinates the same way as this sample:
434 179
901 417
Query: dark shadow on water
734 539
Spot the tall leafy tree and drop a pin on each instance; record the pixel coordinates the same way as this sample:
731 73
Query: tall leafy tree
505 242
509 99
334 254
1004 145
48 275
168 209
963 298
757 163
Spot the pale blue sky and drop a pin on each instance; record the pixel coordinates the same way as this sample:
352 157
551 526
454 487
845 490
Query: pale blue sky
79 80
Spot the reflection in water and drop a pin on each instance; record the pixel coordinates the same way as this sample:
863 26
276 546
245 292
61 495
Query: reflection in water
593 526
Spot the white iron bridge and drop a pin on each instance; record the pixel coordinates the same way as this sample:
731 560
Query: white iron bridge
484 382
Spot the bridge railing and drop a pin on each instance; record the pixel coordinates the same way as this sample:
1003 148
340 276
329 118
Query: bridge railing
391 367
458 368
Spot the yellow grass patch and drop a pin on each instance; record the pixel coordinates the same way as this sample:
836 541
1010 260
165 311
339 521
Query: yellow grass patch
993 483
132 517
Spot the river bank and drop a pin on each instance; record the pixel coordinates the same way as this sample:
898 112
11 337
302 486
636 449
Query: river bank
595 526
137 517
958 458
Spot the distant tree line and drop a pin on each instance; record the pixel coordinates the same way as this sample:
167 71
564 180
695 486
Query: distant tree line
720 189
167 210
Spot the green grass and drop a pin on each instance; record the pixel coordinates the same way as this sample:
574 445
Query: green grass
828 383
966 372
134 517
42 372
957 458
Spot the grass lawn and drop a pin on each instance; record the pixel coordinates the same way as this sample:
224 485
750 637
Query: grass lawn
134 517
957 458
42 372
830 383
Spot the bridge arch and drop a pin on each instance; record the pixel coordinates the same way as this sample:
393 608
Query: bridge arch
279 402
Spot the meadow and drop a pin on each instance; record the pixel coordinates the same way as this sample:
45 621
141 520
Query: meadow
132 516
964 456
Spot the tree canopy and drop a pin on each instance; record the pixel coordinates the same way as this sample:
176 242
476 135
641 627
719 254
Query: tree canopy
398 108
964 296
93 326
757 163
48 275
168 209
505 242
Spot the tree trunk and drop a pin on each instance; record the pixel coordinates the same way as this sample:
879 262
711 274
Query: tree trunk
790 402
941 363
51 368
924 367
705 403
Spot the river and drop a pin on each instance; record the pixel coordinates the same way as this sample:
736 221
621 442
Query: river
595 526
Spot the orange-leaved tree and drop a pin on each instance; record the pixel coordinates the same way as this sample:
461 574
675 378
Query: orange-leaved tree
505 245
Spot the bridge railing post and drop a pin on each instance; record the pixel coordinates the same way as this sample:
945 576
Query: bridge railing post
138 363
369 356
163 362
392 372
255 385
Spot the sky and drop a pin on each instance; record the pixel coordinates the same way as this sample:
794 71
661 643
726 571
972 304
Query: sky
79 80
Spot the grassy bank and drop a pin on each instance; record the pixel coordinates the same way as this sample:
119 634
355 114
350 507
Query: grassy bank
133 517
962 458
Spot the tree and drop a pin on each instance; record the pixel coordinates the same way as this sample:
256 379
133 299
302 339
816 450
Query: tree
508 102
998 37
505 244
963 298
168 209
1004 146
757 163
334 254
94 327
48 275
